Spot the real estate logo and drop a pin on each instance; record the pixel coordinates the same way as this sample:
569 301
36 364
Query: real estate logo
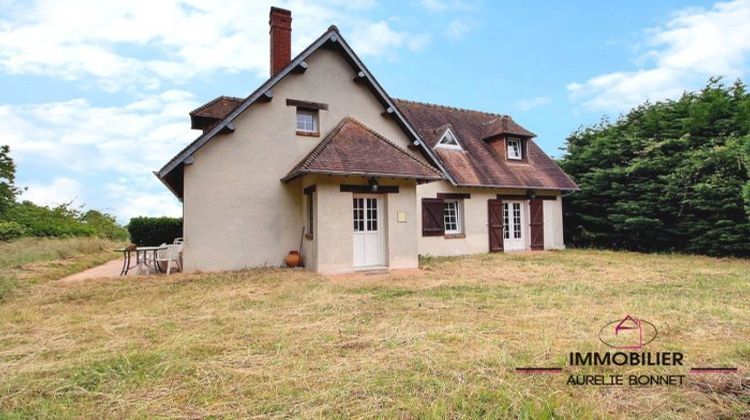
626 338
629 333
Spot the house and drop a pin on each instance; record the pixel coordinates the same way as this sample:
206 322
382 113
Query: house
321 155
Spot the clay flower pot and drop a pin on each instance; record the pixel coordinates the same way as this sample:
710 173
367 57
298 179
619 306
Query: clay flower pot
293 259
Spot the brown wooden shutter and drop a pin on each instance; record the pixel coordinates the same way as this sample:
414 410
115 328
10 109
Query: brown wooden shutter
536 208
433 223
495 224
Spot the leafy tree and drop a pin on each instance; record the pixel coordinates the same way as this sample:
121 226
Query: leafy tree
8 190
104 225
667 176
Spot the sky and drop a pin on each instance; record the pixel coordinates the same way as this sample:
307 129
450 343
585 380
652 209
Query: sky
95 95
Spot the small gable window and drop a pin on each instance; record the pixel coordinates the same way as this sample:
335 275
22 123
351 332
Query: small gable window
449 141
307 122
515 148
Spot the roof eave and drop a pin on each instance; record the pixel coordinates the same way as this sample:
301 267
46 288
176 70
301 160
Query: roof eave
536 187
166 184
365 174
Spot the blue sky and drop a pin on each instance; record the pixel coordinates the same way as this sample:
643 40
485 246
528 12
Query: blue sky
95 95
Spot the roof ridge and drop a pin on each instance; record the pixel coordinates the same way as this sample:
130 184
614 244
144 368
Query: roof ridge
452 108
215 100
381 137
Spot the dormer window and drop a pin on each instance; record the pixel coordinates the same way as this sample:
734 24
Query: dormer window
449 141
515 148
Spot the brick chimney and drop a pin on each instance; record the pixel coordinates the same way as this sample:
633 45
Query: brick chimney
280 22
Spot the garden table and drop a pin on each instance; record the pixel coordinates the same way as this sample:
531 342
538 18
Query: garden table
141 257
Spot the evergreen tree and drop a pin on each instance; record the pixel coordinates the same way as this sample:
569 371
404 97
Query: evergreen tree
8 190
668 176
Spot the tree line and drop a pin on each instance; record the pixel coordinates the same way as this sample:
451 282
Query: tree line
670 176
24 218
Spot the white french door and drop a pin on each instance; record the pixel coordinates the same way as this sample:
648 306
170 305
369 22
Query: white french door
513 231
369 250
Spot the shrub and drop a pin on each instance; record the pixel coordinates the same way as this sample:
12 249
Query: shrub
152 231
60 221
105 225
63 221
11 230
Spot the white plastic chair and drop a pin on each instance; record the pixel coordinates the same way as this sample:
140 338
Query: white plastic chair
168 255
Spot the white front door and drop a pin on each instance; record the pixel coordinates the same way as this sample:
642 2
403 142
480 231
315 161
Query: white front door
368 231
513 231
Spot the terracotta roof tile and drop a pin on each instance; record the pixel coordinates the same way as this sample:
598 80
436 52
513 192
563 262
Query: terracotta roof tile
352 148
482 162
209 114
218 107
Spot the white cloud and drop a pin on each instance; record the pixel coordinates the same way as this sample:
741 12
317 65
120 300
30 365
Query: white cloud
134 138
138 196
60 190
379 38
692 46
97 144
535 102
141 43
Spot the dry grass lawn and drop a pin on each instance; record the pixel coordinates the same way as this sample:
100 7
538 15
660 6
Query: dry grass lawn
441 342
28 261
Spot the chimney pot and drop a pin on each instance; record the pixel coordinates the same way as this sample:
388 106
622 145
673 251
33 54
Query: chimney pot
280 29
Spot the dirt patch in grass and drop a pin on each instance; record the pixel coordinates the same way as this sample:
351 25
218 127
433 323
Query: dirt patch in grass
442 342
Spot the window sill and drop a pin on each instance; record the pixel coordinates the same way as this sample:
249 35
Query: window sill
455 235
308 133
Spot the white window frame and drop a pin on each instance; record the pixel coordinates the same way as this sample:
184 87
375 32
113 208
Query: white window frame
459 217
519 142
443 145
313 115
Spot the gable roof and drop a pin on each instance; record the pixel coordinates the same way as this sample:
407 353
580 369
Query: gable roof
331 38
483 163
352 148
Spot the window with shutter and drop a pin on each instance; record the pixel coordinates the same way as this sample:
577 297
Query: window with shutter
433 222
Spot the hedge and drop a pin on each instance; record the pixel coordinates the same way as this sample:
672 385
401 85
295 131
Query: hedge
153 231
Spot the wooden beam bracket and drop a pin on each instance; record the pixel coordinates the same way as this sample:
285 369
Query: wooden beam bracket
306 104
368 189
454 196
229 128
267 96
300 68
